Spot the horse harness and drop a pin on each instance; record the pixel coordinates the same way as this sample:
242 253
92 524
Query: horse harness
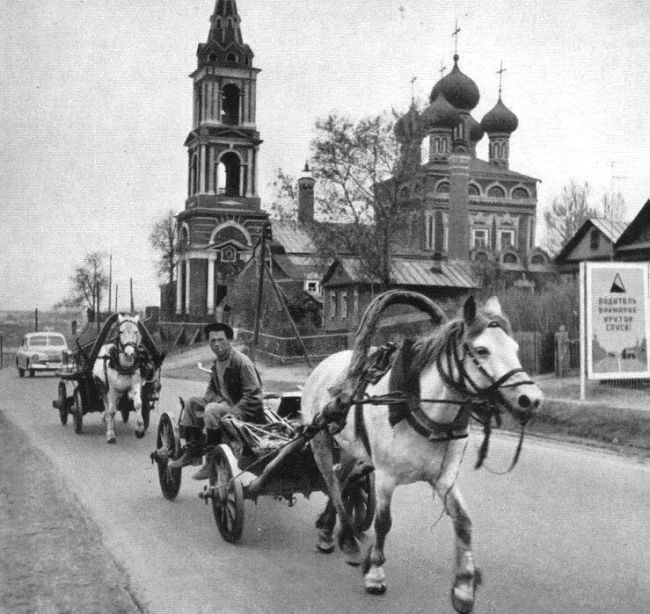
404 399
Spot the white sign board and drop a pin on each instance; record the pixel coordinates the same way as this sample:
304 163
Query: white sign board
617 320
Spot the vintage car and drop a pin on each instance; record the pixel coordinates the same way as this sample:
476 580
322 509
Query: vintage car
42 351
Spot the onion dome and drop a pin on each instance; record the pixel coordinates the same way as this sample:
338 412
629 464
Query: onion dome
440 114
476 131
499 119
409 126
457 88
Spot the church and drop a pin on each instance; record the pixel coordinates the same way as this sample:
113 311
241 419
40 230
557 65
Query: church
463 209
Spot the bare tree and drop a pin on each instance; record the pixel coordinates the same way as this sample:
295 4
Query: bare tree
88 282
567 213
613 207
162 239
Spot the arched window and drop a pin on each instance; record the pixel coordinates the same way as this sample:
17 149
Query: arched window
230 105
481 257
510 258
194 176
473 190
228 174
496 192
443 187
519 193
231 57
538 259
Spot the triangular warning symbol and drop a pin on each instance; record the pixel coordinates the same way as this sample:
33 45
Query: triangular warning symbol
618 286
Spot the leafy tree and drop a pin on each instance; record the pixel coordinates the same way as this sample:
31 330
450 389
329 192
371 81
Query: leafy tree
567 213
88 284
162 239
285 204
359 169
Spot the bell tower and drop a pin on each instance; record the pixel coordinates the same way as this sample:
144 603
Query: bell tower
224 142
223 218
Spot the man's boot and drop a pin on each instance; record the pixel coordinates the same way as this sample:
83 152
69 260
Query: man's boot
193 437
213 438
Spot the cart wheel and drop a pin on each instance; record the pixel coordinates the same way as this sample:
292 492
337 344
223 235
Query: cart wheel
360 502
77 411
170 479
62 404
228 499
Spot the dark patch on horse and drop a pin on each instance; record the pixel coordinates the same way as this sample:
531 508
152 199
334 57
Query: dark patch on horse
403 378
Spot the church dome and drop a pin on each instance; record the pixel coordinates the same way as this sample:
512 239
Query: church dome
457 88
409 126
500 119
440 114
476 131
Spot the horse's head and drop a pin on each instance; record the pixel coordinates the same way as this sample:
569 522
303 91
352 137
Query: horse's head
128 336
488 364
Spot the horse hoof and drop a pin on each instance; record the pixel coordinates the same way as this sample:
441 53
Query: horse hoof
353 559
325 547
462 606
111 440
376 589
139 434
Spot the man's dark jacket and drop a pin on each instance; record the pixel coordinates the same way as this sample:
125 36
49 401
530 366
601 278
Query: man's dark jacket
243 386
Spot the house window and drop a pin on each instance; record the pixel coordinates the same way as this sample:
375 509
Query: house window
510 258
594 239
332 305
473 190
344 306
481 237
520 193
506 239
313 287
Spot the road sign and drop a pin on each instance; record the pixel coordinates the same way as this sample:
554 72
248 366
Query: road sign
617 322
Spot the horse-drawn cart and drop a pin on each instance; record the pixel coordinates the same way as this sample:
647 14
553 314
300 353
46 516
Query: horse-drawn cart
86 395
271 459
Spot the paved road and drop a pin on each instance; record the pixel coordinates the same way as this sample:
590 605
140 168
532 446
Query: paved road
565 532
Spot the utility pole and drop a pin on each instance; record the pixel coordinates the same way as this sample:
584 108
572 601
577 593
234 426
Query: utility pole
36 320
260 287
116 289
131 290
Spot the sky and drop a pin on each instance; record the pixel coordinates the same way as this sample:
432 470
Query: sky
96 103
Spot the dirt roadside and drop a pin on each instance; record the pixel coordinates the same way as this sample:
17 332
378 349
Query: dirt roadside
52 560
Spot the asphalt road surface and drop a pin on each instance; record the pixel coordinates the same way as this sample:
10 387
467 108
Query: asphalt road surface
567 531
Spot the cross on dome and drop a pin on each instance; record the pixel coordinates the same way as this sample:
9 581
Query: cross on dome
500 73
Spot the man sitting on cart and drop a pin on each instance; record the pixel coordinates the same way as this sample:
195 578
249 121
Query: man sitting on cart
235 389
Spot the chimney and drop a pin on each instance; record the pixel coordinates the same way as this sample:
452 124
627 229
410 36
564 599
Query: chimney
306 196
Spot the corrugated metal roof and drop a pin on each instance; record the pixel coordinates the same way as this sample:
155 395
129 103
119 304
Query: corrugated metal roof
293 237
410 272
612 230
302 267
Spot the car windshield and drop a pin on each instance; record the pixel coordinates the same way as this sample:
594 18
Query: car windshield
40 340
56 341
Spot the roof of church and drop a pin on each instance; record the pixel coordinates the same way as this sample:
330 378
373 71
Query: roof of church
413 272
302 267
292 236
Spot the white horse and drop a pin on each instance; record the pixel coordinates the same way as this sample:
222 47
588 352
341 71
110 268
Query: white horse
118 373
424 437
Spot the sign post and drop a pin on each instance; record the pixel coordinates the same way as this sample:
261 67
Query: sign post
583 332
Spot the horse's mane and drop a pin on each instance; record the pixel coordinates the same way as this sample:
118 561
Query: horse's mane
427 349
